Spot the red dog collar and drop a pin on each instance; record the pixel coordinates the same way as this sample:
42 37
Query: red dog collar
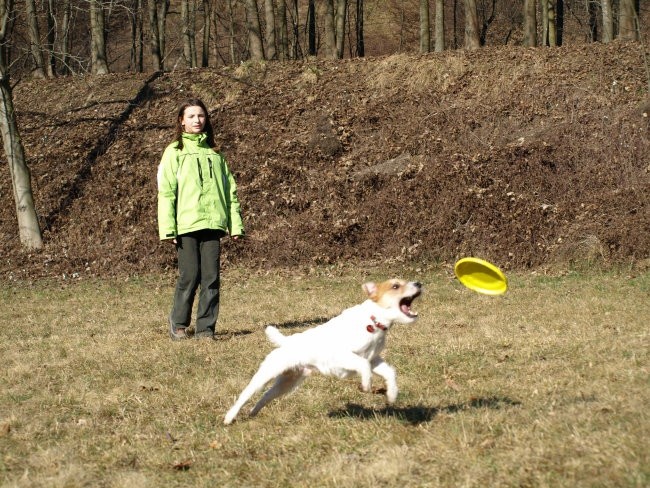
375 325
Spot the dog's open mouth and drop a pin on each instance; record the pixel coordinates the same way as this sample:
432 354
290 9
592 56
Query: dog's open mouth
405 305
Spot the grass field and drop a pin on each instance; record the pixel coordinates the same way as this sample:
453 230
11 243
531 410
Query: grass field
545 386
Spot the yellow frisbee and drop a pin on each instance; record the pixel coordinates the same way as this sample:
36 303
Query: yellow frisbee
481 276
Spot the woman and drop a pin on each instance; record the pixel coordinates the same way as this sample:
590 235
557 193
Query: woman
197 206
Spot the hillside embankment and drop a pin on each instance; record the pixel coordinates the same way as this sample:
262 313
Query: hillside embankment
532 158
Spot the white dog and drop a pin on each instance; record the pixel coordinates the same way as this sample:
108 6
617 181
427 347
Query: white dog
349 343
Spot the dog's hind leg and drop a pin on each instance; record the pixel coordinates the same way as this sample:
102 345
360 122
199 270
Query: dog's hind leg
284 384
273 366
386 371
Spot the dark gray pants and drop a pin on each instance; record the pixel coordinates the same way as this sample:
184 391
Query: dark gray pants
198 264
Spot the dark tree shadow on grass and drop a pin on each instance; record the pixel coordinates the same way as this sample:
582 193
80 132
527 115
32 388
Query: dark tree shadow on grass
294 324
76 187
418 414
297 324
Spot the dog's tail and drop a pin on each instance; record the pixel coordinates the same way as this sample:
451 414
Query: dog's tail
275 336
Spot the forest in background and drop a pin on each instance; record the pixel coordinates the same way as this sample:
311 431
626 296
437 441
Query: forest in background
48 38
531 157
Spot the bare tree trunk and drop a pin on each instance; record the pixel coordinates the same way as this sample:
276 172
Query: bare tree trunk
472 40
608 21
549 32
296 32
341 14
65 39
627 21
269 16
188 17
486 24
282 30
35 40
97 42
133 17
544 12
530 23
156 57
559 21
194 56
207 22
311 27
592 15
187 33
140 39
425 27
330 29
215 20
157 24
50 65
454 28
29 230
440 26
361 45
231 32
402 28
550 18
162 9
137 37
256 47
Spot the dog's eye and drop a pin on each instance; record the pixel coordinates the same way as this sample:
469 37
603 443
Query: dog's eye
395 286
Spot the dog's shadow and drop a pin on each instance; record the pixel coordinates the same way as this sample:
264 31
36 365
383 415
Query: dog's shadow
416 415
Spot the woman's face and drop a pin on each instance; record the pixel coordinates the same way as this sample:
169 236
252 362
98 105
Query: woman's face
193 120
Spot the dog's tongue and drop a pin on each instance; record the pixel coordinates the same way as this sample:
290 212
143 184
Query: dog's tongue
406 310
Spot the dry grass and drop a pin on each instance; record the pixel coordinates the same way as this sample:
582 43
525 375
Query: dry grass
546 386
400 72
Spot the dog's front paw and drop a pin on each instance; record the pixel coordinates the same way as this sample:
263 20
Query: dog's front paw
229 418
391 394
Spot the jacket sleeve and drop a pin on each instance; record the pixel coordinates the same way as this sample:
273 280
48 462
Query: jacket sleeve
235 223
167 191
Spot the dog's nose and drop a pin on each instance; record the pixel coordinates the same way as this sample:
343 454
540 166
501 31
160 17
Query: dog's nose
417 284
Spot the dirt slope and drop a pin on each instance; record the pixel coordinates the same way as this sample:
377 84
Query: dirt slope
531 158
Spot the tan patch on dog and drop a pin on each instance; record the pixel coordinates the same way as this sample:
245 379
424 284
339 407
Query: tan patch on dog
389 292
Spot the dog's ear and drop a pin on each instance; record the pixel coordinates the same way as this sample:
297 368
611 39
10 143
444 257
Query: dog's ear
370 288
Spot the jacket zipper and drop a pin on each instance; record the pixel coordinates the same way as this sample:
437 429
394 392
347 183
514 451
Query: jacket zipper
198 162
210 163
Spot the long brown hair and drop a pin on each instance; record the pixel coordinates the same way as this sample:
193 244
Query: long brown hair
207 128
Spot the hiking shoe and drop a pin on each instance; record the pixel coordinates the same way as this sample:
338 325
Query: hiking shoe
205 334
176 334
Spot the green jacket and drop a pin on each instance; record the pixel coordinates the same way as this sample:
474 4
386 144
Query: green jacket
196 190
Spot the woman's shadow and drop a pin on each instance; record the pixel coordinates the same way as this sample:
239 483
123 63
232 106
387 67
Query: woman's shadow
418 414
